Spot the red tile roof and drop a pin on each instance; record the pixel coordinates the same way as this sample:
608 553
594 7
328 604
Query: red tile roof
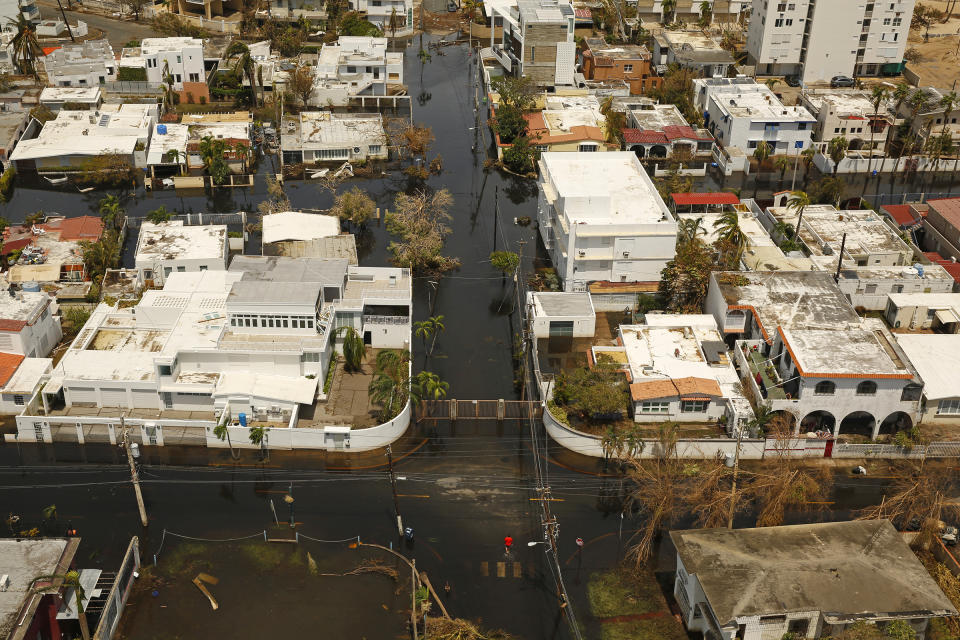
11 325
583 13
949 208
87 228
953 268
901 213
683 132
644 136
9 362
721 197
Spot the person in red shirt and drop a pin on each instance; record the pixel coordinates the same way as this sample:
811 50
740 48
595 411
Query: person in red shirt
507 543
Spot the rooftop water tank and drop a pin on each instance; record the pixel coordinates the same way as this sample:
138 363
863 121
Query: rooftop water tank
30 286
161 129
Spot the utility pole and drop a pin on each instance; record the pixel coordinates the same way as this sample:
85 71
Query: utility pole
733 485
496 213
843 245
796 161
393 484
134 475
69 30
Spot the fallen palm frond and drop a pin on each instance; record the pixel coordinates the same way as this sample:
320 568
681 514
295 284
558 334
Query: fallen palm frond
460 629
368 566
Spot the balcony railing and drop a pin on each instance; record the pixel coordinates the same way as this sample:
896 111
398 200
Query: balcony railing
385 320
763 373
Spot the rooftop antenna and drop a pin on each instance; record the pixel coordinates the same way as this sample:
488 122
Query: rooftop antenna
843 243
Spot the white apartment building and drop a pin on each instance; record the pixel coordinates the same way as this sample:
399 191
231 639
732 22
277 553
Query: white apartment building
182 57
537 40
820 39
679 369
173 246
56 98
11 9
741 113
355 66
601 219
848 113
383 13
690 11
20 378
83 64
247 345
806 353
28 326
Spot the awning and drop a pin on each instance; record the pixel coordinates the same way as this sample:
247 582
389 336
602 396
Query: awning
946 316
723 197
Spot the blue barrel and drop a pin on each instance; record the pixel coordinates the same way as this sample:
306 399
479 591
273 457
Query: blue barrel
30 286
243 419
161 129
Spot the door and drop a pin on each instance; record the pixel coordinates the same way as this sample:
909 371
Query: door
145 399
113 397
82 395
560 328
828 449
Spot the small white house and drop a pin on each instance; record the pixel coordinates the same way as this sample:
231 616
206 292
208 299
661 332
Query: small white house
916 311
355 66
936 358
173 246
28 325
322 136
82 64
562 314
602 219
181 57
20 378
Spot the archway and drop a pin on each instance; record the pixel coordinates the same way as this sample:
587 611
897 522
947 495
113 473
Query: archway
639 150
859 423
896 421
818 421
781 421
856 144
658 151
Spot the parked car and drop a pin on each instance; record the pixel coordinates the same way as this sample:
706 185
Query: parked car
792 80
842 81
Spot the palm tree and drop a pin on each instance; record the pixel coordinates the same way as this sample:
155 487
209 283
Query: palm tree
900 93
354 349
730 234
688 229
761 153
948 101
169 95
245 64
260 436
837 150
429 328
668 7
26 47
428 386
112 212
243 150
706 13
391 381
806 157
223 433
772 82
175 156
877 97
798 201
782 163
56 582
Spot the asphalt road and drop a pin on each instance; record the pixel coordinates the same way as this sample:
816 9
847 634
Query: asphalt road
118 32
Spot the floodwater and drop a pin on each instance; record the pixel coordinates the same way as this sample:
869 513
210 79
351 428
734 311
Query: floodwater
462 486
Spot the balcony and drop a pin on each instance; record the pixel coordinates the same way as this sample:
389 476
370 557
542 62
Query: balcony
766 381
385 320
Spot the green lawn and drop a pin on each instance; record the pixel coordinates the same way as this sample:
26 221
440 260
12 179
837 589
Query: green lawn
631 607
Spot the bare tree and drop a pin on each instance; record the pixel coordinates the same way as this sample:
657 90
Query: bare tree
419 223
301 83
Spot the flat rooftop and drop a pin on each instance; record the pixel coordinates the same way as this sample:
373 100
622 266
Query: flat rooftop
177 241
256 292
788 299
928 300
22 561
563 304
741 98
70 94
297 225
284 269
845 103
613 185
847 570
936 357
322 129
851 352
866 231
89 133
660 116
756 235
674 347
10 123
21 308
601 49
174 43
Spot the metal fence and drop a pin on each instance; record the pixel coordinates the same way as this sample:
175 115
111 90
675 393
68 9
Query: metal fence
904 198
133 87
482 409
932 450
119 593
240 217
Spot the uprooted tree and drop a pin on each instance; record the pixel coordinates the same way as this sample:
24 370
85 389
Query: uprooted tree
419 226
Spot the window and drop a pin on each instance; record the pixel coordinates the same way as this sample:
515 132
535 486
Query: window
587 147
694 406
181 269
824 388
374 148
871 288
194 77
310 357
628 68
949 407
179 61
897 288
18 400
867 388
911 393
799 627
203 267
655 407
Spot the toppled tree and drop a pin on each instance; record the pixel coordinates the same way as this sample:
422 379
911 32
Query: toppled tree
419 224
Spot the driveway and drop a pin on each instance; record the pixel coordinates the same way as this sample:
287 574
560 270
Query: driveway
118 32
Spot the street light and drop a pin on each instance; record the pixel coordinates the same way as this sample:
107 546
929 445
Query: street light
534 543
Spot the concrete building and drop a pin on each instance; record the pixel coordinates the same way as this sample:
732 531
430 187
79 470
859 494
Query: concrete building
939 312
556 314
173 246
10 10
601 219
930 120
296 234
13 124
936 358
20 379
28 326
537 40
942 223
848 113
176 147
820 39
24 613
179 57
741 113
802 349
208 9
660 131
83 64
51 253
392 17
723 11
691 50
71 98
631 63
322 136
679 370
355 66
74 137
809 579
572 123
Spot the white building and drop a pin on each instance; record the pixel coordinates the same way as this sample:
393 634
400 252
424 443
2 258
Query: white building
322 136
537 40
392 17
11 9
939 312
809 580
601 219
848 113
83 64
937 360
741 113
692 50
28 326
691 12
20 379
806 353
820 39
298 234
567 314
678 370
74 137
355 66
173 246
180 57
255 340
56 98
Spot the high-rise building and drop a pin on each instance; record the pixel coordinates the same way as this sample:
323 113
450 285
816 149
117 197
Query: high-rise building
820 39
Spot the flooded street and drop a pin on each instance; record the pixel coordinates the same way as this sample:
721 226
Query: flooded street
463 486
